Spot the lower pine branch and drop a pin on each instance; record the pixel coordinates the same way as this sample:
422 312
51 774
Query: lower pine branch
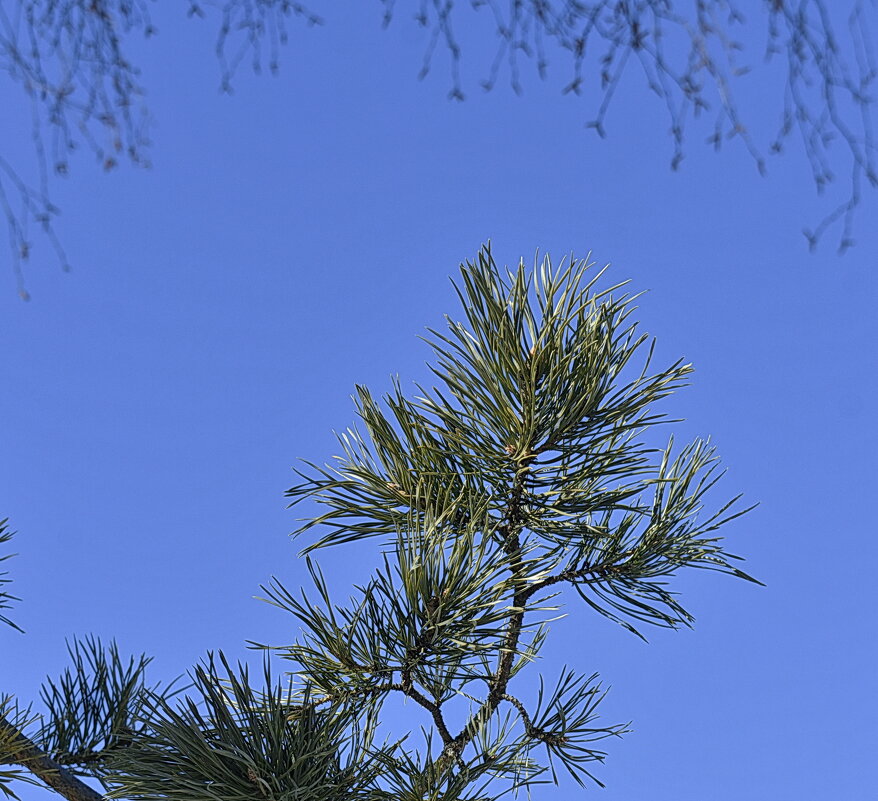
30 756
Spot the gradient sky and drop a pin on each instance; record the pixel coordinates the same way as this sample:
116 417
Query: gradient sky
294 239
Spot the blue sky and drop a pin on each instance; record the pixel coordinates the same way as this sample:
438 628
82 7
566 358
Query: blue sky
294 239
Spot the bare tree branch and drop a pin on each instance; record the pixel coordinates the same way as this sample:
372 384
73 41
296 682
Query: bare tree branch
70 59
690 57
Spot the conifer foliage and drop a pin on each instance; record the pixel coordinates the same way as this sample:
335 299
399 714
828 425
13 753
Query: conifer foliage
529 467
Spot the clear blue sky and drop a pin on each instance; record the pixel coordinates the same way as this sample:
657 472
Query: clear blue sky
295 238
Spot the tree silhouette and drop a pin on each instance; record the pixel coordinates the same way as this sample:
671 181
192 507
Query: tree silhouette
692 57
69 57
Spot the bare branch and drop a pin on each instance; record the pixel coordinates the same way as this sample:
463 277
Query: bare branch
689 55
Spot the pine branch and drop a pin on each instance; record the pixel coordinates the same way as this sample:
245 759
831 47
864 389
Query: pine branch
510 537
526 469
30 756
5 597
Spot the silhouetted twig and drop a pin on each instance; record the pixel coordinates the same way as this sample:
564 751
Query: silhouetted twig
689 54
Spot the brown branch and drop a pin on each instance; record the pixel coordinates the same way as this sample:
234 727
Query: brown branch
30 756
597 572
510 537
405 687
532 731
421 645
434 709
